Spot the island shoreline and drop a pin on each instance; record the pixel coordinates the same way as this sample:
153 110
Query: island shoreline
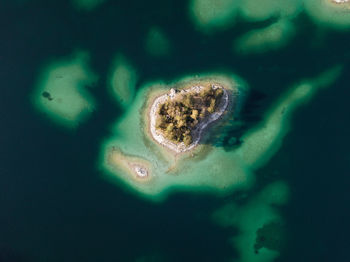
154 100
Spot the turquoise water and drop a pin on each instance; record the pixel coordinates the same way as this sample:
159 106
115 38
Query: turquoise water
57 204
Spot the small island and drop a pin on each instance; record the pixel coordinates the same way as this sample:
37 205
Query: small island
168 136
178 118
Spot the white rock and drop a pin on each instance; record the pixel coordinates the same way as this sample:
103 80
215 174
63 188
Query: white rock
341 1
141 171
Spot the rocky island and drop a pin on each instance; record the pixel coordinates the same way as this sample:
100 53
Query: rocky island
179 117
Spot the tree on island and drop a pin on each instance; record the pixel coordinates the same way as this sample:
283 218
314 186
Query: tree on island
177 117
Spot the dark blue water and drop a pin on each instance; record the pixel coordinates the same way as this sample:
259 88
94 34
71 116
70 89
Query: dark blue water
55 206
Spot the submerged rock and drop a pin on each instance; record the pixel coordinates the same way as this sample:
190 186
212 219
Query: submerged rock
270 236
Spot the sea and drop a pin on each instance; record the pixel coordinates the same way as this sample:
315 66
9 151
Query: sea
55 204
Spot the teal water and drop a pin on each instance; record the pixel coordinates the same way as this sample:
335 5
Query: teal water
55 205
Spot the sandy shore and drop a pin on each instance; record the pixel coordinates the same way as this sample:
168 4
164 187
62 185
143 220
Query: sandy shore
197 133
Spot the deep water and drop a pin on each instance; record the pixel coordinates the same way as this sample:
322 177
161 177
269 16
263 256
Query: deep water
55 204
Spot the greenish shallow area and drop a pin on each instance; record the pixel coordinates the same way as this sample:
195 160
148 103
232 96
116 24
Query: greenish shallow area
157 43
336 16
225 171
272 37
61 92
210 15
86 5
122 81
251 217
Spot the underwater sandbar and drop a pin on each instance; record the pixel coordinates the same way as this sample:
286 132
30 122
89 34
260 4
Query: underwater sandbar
137 168
331 13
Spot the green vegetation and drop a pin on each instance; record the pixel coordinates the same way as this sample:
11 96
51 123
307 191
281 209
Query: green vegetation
178 117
